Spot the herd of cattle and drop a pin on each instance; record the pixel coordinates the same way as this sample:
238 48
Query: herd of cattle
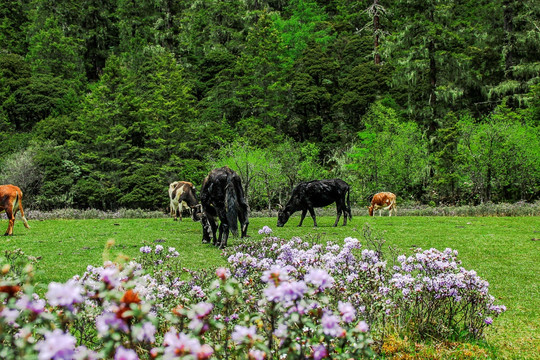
222 200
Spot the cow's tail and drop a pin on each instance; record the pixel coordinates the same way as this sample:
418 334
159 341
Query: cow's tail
231 204
18 202
349 204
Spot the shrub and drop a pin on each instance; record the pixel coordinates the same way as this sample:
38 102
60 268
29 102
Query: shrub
278 299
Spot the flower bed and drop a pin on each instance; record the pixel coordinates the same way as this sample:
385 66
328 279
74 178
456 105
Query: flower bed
277 299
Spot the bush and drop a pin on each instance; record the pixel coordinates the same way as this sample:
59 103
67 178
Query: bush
279 299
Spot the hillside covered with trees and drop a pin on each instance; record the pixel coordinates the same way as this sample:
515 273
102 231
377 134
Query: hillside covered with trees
104 103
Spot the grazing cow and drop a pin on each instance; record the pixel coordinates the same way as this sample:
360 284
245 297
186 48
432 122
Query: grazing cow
179 191
11 202
317 193
222 197
383 201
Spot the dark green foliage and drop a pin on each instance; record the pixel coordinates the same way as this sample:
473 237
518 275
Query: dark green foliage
104 103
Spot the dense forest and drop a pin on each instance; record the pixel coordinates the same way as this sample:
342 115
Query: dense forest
103 103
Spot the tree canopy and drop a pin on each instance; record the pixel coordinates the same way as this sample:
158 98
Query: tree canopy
103 103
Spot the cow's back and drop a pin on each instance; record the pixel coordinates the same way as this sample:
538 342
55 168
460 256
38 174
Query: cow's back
7 194
319 193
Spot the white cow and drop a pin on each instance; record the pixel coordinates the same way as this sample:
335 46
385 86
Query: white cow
177 194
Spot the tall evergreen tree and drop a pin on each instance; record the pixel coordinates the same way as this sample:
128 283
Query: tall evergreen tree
520 52
428 50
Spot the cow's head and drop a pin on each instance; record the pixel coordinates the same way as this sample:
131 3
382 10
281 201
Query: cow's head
196 212
370 208
283 216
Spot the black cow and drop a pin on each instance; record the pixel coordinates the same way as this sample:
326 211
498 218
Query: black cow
222 197
317 193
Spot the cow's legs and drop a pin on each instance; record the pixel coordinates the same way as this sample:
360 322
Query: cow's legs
304 212
340 210
312 213
207 230
389 208
213 227
223 235
223 228
338 216
11 218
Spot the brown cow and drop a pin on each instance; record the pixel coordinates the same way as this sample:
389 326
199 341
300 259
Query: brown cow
383 201
10 201
180 193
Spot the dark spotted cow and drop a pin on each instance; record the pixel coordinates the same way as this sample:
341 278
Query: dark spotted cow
179 191
383 201
317 193
11 202
222 198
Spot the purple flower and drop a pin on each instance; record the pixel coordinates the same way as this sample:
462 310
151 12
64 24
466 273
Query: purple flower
275 275
64 294
110 276
257 354
10 315
125 354
319 352
201 310
286 291
57 346
109 322
488 321
243 334
179 344
265 230
159 248
146 332
330 325
348 313
362 326
319 278
83 353
281 331
198 291
145 249
36 306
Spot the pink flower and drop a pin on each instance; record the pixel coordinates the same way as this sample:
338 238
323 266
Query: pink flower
223 273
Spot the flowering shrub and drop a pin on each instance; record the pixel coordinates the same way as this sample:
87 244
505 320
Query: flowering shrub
278 299
427 294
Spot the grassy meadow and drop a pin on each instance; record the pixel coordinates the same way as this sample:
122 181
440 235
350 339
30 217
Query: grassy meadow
503 250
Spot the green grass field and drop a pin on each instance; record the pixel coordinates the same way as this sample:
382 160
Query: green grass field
503 250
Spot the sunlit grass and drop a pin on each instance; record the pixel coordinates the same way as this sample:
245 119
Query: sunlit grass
501 249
